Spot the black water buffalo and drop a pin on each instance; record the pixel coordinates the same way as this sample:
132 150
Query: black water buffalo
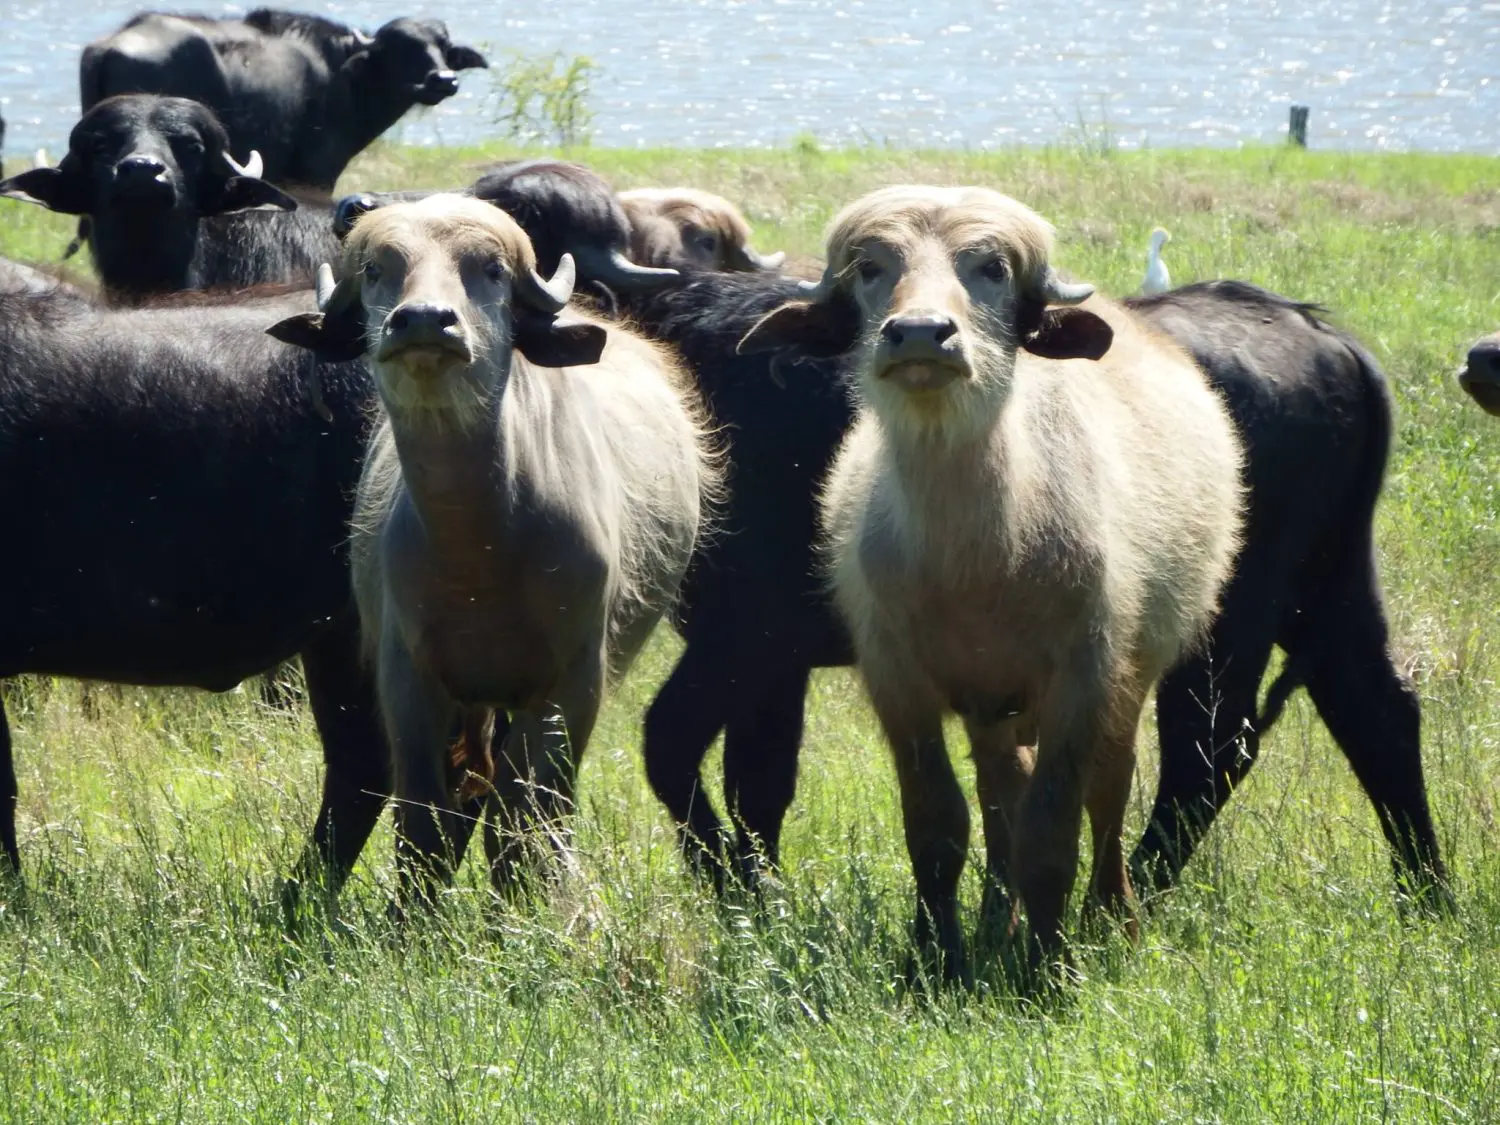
1480 374
178 514
306 92
1314 413
168 207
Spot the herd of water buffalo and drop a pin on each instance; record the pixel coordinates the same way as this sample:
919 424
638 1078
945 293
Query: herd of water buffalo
465 474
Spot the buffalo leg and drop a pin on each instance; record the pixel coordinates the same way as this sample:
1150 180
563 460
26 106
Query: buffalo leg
1002 770
357 765
538 769
681 724
935 816
1205 714
761 745
9 795
420 718
1374 715
1106 796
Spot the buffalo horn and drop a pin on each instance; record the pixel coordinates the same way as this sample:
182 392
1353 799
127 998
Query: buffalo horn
549 296
251 169
765 261
1057 292
619 272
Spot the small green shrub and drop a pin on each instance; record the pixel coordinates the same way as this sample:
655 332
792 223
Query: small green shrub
545 100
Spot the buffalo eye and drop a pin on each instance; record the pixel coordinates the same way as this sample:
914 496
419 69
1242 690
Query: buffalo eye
868 269
372 272
995 269
494 270
706 240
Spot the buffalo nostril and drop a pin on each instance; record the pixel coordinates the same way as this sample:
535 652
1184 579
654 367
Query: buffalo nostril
138 167
930 329
1484 359
349 209
423 322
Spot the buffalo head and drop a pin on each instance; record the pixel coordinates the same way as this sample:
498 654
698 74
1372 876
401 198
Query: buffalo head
564 208
145 169
411 59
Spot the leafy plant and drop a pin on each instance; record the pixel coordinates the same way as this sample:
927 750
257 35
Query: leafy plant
545 99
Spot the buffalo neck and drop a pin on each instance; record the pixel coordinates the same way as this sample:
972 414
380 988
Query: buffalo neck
954 485
139 259
465 482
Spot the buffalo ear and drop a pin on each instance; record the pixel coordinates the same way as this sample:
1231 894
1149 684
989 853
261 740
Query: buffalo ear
334 341
58 189
1070 333
246 193
818 329
356 64
464 58
548 344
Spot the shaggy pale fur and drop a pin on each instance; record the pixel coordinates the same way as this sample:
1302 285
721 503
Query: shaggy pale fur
669 226
519 529
1031 545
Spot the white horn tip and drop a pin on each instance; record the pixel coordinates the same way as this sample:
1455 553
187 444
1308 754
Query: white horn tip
324 285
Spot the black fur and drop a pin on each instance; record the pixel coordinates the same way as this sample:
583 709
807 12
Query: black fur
197 225
301 89
178 515
1314 410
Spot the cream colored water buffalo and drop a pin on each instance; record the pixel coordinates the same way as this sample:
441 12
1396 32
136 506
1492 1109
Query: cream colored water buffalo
1030 520
688 227
529 503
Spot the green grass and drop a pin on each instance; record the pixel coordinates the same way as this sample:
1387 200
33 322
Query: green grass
147 979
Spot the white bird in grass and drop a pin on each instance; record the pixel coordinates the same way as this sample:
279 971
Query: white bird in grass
1157 280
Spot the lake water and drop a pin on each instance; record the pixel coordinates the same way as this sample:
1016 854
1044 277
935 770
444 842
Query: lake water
1418 74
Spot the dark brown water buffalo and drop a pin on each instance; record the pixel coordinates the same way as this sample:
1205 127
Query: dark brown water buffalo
178 514
1313 412
1480 375
306 92
169 207
688 227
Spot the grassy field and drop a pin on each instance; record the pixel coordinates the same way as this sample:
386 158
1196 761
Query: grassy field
147 980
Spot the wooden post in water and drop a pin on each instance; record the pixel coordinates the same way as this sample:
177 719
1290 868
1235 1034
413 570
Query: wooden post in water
1297 129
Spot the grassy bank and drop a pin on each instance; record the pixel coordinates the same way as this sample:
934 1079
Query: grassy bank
147 981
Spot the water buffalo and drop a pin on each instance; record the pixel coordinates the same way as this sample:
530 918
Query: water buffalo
306 92
168 207
181 517
1028 523
1480 375
1310 405
688 227
522 522
563 208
